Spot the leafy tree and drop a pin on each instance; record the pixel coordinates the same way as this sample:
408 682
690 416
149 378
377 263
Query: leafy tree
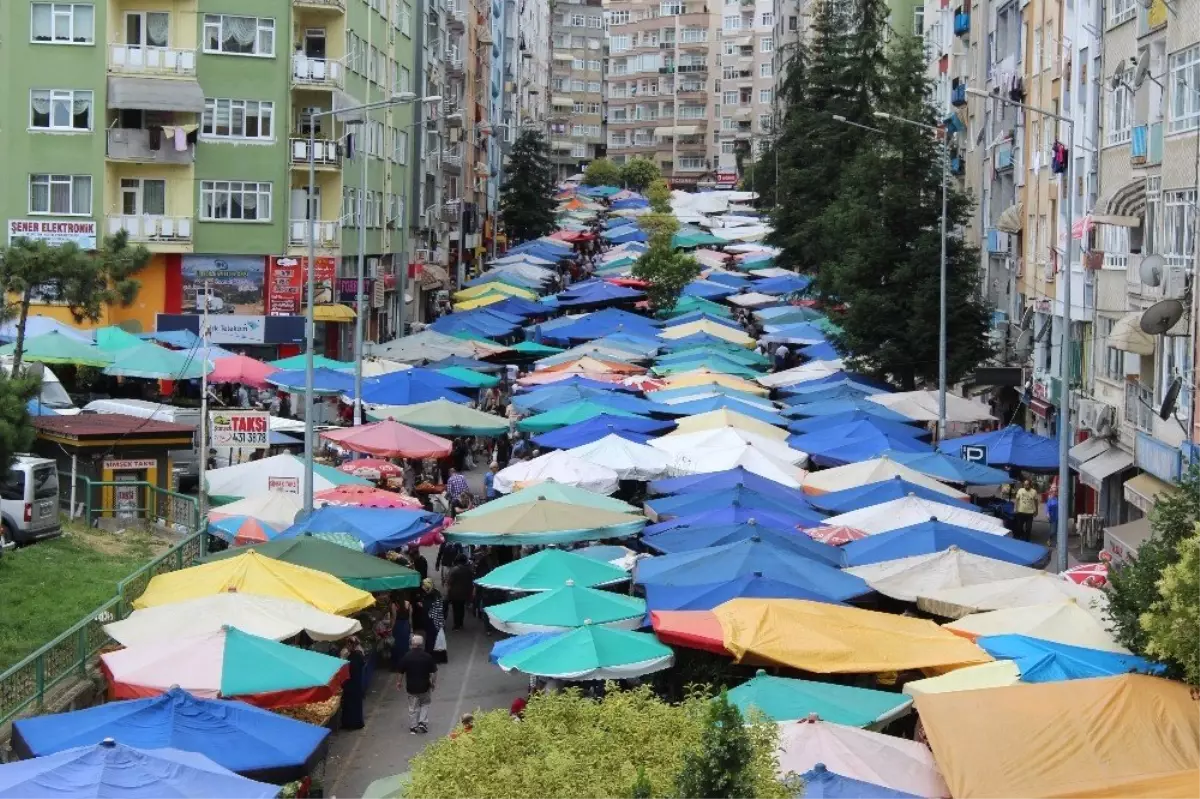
86 282
642 789
722 765
659 195
639 173
527 196
16 430
568 746
667 271
1172 624
602 172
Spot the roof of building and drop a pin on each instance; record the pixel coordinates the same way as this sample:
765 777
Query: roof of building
86 425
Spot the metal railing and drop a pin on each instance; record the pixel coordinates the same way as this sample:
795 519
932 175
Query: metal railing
153 504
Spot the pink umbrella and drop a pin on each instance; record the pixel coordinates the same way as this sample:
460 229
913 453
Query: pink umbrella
643 382
365 497
1093 575
241 369
390 439
834 535
371 468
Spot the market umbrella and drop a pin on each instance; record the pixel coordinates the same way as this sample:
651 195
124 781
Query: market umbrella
719 419
1010 448
923 406
706 596
379 529
631 428
443 417
467 376
300 362
829 404
630 460
558 492
910 510
264 616
1093 575
1065 621
365 497
252 573
240 530
543 522
834 536
698 444
410 387
55 348
864 496
997 674
550 569
548 398
854 423
112 769
355 569
709 379
787 699
722 516
559 467
821 783
952 469
325 380
567 607
692 503
954 603
569 414
241 369
887 760
227 663
274 508
393 787
277 473
592 652
711 363
935 536
686 539
907 578
737 477
1050 661
390 439
151 362
838 446
512 645
715 331
254 743
372 468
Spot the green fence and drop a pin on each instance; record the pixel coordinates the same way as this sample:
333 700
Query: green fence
25 686
91 500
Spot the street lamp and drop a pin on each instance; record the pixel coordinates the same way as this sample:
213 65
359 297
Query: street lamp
310 323
1064 369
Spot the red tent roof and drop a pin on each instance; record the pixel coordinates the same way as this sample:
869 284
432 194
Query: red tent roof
390 439
241 369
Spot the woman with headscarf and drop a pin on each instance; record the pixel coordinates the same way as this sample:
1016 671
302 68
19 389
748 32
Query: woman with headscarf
401 624
435 620
354 688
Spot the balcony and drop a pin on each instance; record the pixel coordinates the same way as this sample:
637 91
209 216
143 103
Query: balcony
323 234
456 17
1146 145
693 69
958 94
149 229
452 113
452 161
454 67
134 145
128 59
962 23
325 154
317 72
331 6
451 213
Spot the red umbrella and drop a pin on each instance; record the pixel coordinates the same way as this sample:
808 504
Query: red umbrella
365 497
372 468
1092 575
628 282
833 535
390 439
241 369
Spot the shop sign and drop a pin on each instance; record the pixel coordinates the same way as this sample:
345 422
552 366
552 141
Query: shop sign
126 496
288 485
129 464
347 288
286 284
81 232
238 429
377 294
727 178
237 329
234 284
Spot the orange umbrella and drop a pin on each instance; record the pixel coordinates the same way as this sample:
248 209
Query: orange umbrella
589 364
390 439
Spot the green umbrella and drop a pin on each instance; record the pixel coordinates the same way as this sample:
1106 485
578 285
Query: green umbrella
393 787
713 363
442 417
533 348
558 492
579 411
565 608
301 362
341 539
114 339
54 347
543 521
592 652
476 379
551 569
354 568
730 352
688 304
689 240
786 699
152 362
827 326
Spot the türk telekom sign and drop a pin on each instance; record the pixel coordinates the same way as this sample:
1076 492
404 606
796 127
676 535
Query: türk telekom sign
81 232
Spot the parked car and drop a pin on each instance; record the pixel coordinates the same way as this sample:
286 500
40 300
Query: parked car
29 501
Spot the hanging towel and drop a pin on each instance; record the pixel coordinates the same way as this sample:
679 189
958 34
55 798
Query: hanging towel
180 139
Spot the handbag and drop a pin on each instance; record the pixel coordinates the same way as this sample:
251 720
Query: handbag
439 645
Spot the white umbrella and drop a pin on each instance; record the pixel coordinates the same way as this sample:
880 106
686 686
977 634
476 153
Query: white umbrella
373 367
725 438
426 345
283 473
1065 622
706 392
922 406
630 460
911 510
752 299
276 508
876 470
773 271
813 370
907 578
559 467
747 456
954 603
264 616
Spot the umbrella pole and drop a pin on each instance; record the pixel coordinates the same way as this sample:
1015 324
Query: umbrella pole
203 407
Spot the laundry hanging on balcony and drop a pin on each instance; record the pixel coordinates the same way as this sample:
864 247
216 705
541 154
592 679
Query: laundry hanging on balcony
1058 158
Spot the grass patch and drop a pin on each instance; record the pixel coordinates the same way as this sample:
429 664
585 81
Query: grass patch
50 585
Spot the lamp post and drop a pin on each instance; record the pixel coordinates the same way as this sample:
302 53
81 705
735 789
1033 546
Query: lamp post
1064 368
310 287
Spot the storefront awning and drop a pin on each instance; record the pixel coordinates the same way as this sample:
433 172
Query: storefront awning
1127 201
1011 219
1127 335
563 102
1084 451
333 313
1123 540
155 94
1112 461
1142 491
434 277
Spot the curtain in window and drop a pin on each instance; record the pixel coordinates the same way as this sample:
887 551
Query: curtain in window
39 197
81 194
60 197
157 29
40 102
239 33
154 197
84 22
43 23
249 199
82 104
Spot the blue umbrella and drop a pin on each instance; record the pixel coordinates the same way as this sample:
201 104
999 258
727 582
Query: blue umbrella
834 406
949 468
580 381
553 396
720 564
1049 661
647 344
510 278
823 351
709 291
519 306
729 279
481 325
721 481
925 538
838 378
513 645
113 769
1012 447
633 428
706 596
379 529
692 504
821 783
721 402
799 333
854 442
770 518
625 234
784 284
465 363
699 391
36 408
245 739
686 539
864 496
816 424
702 316
325 380
602 293
691 341
594 326
409 387
812 391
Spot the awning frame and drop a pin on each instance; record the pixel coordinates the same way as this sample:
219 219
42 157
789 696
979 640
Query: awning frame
1112 461
1128 201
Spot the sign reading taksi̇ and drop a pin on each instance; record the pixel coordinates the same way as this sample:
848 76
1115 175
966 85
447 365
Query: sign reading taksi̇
240 429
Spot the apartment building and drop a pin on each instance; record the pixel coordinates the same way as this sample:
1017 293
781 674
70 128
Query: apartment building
576 103
187 124
747 85
793 18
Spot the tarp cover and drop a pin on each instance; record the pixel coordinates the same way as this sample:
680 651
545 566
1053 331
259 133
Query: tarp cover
379 529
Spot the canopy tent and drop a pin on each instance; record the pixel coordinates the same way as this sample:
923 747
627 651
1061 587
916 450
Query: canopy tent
711 363
543 522
1049 661
389 439
379 529
723 516
707 377
854 475
715 331
567 607
697 445
355 569
246 740
853 421
571 413
746 456
924 538
113 769
1064 622
557 395
855 442
706 596
791 284
996 674
591 652
844 408
730 478
694 537
38 325
632 428
804 373
417 348
264 616
411 387
254 478
949 468
911 510
718 419
1013 448
474 379
690 504
274 508
786 699
908 578
550 569
706 403
560 467
252 573
54 347
954 603
152 362
630 460
923 406
1127 736
821 783
555 491
598 293
865 496
241 369
442 417
667 395
325 380
240 530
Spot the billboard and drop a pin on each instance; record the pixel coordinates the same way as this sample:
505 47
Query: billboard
240 429
235 284
82 232
286 284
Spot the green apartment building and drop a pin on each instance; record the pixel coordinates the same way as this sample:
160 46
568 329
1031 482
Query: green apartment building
186 123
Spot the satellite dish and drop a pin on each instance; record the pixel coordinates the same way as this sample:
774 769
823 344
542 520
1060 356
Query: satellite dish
1170 398
1114 82
1161 317
1024 345
1152 270
1143 63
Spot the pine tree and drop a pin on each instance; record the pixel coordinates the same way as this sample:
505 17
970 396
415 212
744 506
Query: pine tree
527 196
720 767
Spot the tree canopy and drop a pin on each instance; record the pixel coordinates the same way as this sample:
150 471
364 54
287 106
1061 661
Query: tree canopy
602 172
639 173
659 195
666 270
527 196
1172 624
16 429
722 765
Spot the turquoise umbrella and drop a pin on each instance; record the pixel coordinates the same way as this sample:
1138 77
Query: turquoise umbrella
300 362
579 411
151 362
557 492
786 699
566 608
551 569
592 652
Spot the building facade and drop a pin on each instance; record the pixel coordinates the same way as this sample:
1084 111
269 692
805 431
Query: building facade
576 101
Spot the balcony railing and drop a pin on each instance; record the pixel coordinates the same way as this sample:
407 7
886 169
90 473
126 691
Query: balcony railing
317 72
151 229
1139 406
323 234
131 59
324 152
451 213
454 65
134 144
452 160
323 5
456 16
1004 156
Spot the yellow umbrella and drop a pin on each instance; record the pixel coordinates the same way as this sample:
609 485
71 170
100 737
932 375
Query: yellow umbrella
724 332
257 574
723 417
996 674
503 288
700 378
480 301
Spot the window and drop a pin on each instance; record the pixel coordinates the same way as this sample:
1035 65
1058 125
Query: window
63 23
405 81
729 98
577 21
618 17
918 21
767 19
733 22
766 95
235 201
692 112
143 197
579 64
1179 224
1120 112
1173 362
727 124
764 123
693 163
671 8
1121 11
578 108
1113 365
406 19
237 119
767 45
60 109
579 150
1151 231
728 147
592 108
68 195
730 48
594 86
401 146
595 22
577 85
794 23
147 28
1037 50
1185 90
224 33
766 70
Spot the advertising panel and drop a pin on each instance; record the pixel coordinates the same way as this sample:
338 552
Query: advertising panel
235 284
238 429
286 284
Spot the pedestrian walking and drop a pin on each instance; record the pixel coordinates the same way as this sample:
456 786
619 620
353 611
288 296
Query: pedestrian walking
458 589
1026 507
354 688
489 482
401 625
456 484
419 680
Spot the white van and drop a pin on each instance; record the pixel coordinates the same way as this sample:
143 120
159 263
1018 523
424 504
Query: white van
29 501
186 462
53 395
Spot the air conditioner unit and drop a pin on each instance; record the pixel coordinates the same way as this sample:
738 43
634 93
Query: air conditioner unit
1097 417
422 256
1174 284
